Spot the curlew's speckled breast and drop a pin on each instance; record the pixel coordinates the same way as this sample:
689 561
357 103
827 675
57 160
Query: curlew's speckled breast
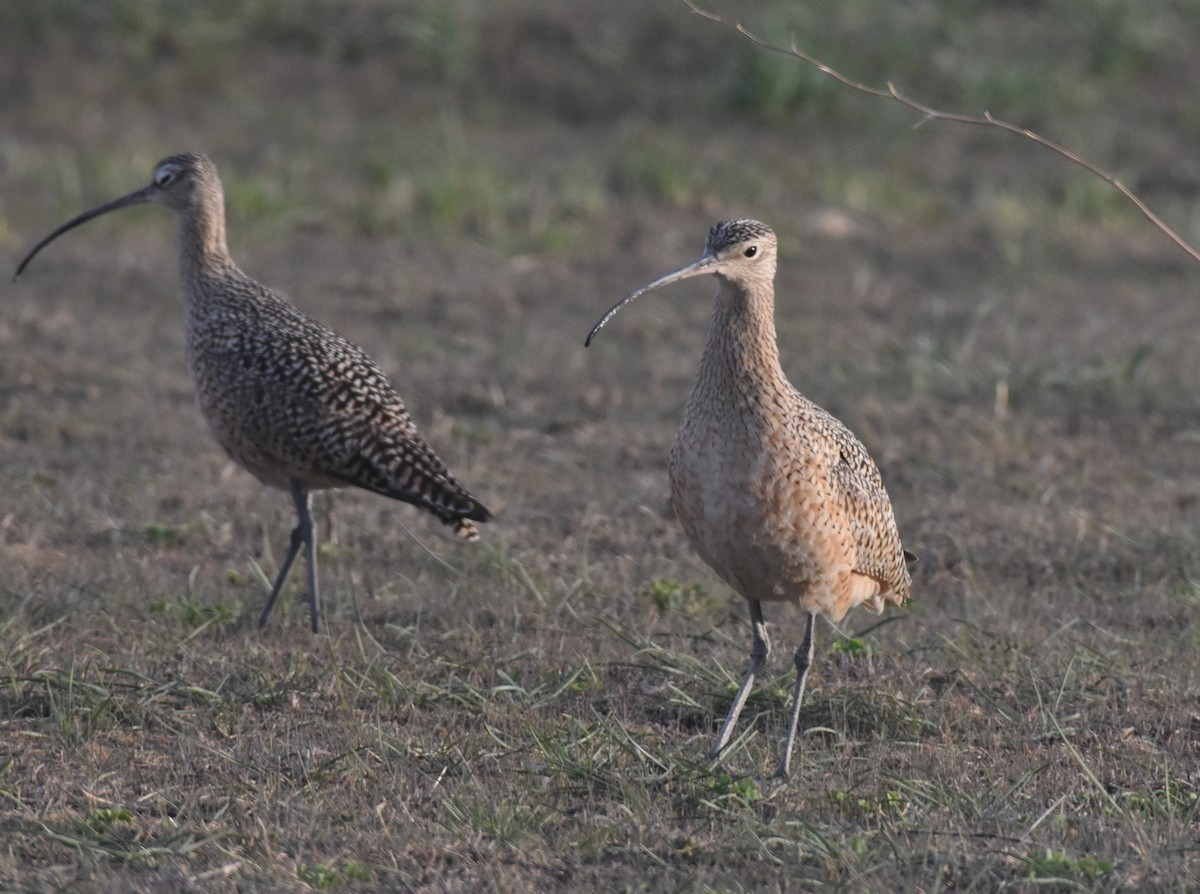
776 494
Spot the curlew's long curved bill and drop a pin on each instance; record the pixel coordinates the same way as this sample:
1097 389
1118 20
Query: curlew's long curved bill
706 263
134 198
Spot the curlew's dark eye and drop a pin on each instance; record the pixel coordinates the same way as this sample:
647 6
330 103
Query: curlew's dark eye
751 251
164 177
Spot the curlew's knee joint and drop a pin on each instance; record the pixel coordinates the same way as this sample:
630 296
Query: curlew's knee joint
760 649
803 660
301 534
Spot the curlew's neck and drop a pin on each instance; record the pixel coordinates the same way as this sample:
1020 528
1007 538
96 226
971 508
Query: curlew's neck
203 253
740 352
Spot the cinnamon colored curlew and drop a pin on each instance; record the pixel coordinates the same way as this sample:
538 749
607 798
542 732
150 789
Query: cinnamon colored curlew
776 495
289 399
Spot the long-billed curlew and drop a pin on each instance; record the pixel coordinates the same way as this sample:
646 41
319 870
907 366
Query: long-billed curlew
293 402
775 493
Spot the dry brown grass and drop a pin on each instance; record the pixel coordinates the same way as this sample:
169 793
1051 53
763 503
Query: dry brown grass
531 713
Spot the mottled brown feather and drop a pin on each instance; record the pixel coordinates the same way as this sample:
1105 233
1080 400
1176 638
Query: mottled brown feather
775 494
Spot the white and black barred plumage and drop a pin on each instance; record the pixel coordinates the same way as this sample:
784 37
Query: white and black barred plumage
288 397
297 405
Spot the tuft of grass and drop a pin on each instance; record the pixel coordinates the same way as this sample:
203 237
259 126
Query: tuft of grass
669 596
1051 866
851 647
164 535
331 878
101 820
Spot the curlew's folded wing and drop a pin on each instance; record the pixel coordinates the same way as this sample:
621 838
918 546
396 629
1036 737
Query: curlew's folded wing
319 404
866 504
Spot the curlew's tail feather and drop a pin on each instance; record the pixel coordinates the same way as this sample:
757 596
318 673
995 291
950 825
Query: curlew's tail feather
465 529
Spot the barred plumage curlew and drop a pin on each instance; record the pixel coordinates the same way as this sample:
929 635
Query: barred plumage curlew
289 399
775 494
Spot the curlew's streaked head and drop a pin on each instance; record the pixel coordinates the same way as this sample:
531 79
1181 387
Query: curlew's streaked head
741 252
181 182
733 234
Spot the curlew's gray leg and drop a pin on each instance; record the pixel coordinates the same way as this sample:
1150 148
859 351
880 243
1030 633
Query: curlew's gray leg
314 604
803 663
302 535
758 654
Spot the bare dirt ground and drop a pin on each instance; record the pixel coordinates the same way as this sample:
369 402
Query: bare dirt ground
462 191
